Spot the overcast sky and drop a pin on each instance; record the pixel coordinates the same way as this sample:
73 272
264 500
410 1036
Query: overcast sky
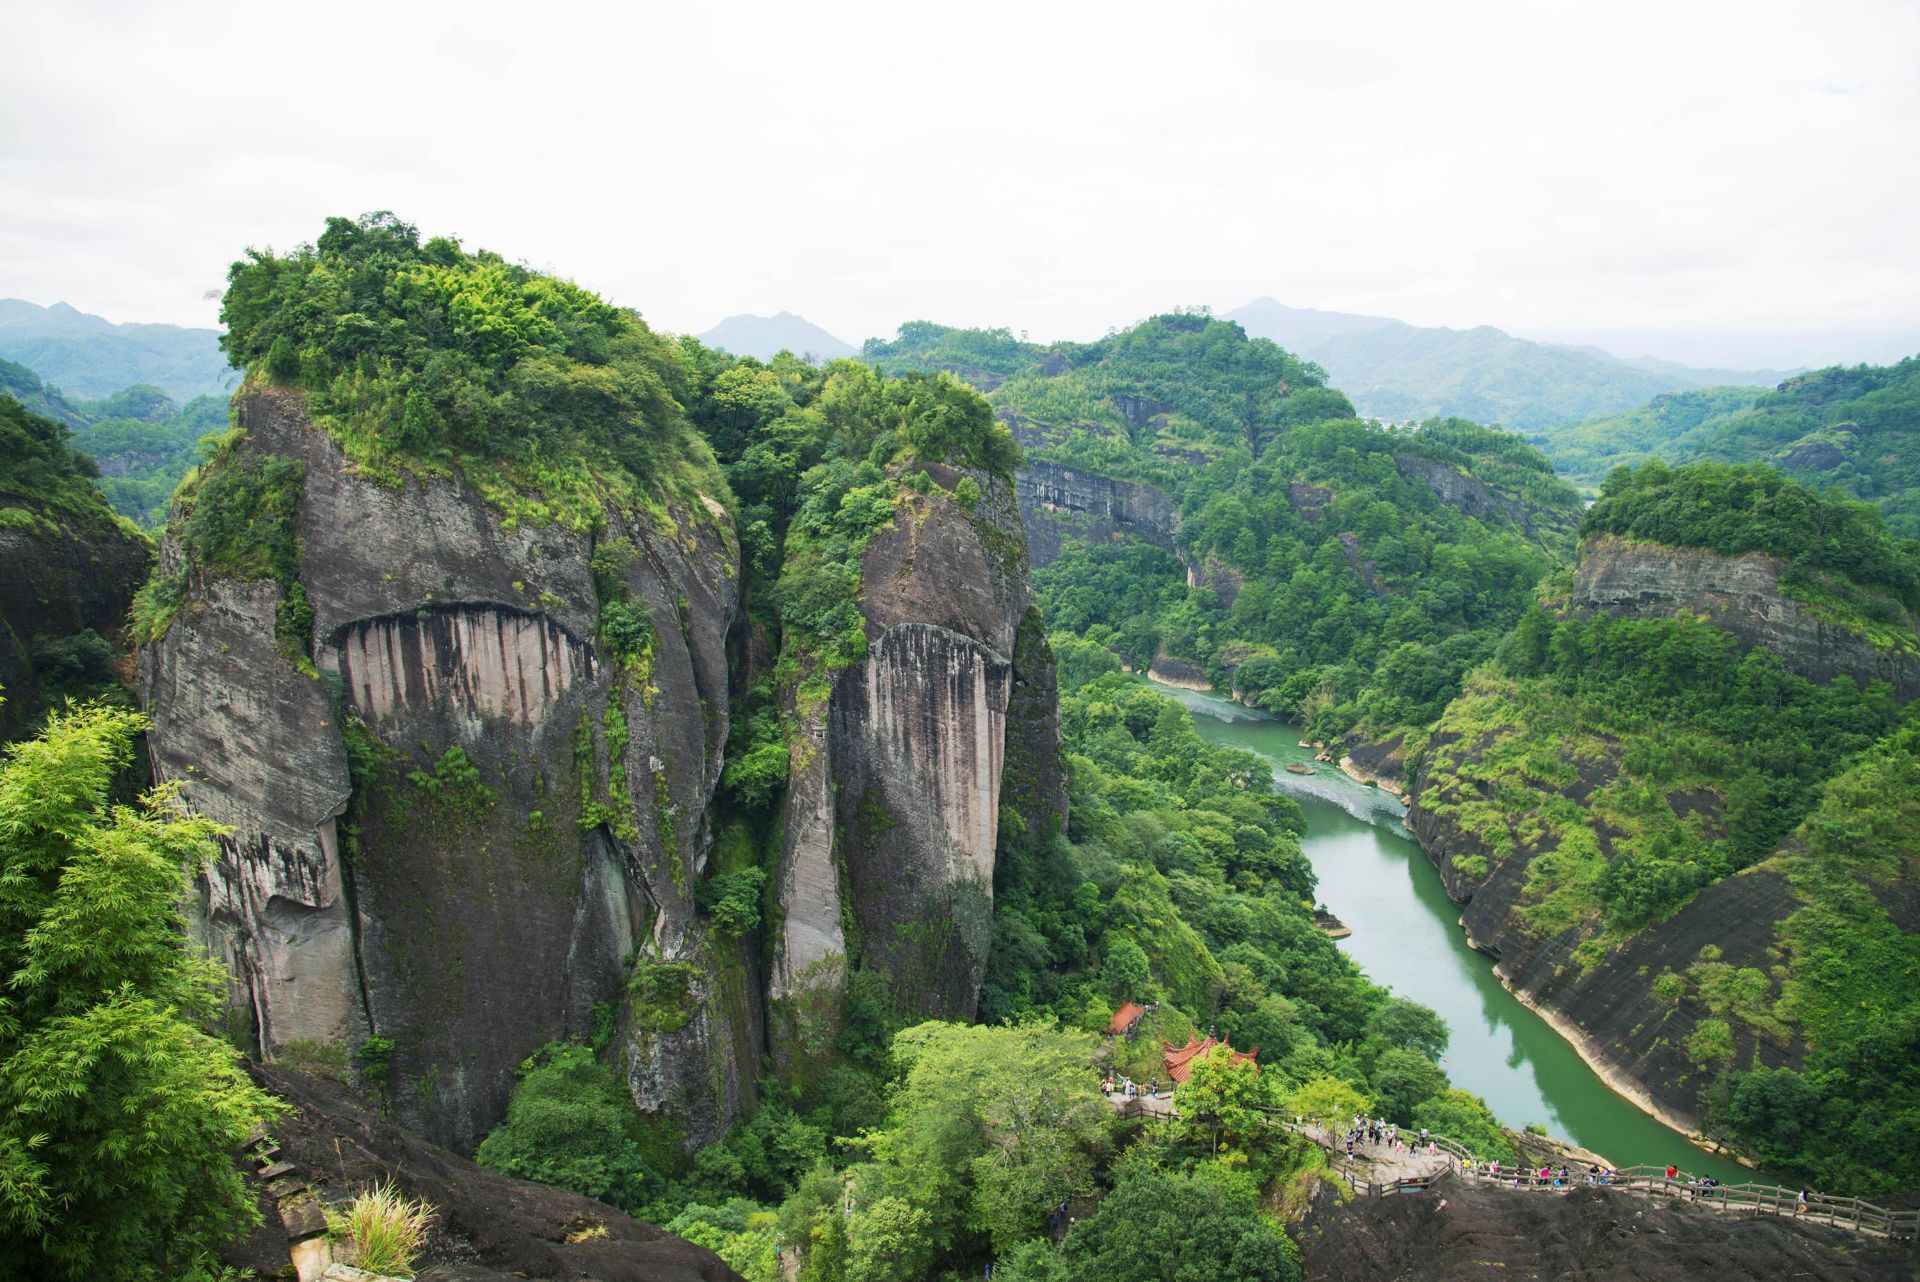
1058 168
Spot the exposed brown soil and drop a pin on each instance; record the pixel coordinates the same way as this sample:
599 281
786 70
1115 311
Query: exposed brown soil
1471 1233
490 1227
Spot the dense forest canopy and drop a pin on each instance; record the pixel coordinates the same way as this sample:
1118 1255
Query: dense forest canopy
1854 428
41 469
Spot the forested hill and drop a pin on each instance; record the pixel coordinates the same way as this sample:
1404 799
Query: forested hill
1313 563
88 356
1855 427
1399 371
1680 806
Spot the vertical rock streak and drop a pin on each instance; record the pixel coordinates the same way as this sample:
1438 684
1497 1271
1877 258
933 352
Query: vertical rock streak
938 705
491 661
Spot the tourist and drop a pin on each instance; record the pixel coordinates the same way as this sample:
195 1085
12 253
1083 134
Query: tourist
1800 1203
1672 1171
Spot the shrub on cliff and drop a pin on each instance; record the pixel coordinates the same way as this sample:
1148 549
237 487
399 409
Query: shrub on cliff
119 1114
568 1125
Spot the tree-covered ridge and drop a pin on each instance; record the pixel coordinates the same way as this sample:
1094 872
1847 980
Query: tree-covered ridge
1850 986
1738 508
1633 764
41 472
1339 585
423 356
1855 428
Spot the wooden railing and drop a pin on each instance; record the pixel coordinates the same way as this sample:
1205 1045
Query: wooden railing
1765 1199
1761 1199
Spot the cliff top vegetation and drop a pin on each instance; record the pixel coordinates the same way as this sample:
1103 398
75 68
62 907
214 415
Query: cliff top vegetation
420 356
1735 508
40 467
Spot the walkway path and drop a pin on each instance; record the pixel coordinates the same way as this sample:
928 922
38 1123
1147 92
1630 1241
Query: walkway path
1385 1170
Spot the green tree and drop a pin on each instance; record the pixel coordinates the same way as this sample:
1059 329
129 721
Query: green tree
1328 1101
993 1124
1161 1227
119 1115
567 1125
1221 1100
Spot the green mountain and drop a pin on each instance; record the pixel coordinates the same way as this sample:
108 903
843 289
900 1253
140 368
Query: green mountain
1268 540
1403 372
764 337
68 570
88 357
1853 427
140 443
1680 807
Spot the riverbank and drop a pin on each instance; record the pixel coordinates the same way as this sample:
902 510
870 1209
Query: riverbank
1405 933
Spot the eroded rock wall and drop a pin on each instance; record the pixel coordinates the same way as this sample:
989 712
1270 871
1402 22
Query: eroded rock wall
1740 594
58 576
519 836
1059 502
894 802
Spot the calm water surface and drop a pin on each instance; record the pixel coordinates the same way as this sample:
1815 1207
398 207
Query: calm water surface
1406 935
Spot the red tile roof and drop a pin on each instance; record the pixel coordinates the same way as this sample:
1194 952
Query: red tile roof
1180 1062
1125 1017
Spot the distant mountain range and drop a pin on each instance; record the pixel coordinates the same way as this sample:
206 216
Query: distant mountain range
1393 370
763 337
88 358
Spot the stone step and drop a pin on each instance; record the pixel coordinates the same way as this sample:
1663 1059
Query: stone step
303 1218
276 1170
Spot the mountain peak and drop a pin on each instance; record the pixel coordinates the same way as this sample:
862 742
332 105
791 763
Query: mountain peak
763 337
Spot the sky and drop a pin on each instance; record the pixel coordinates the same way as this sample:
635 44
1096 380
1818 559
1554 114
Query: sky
1632 169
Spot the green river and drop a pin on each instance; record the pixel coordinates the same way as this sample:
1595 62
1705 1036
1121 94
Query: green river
1406 935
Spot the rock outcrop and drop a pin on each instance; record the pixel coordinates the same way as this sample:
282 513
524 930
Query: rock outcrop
61 577
487 1228
1059 502
1476 499
464 826
894 801
464 829
1741 594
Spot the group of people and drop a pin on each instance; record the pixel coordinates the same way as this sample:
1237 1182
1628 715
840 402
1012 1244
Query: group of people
1547 1176
1127 1088
1382 1133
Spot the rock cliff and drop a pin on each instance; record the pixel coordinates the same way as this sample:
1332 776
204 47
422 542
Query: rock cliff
896 793
464 829
65 584
469 828
1743 595
1475 498
1058 502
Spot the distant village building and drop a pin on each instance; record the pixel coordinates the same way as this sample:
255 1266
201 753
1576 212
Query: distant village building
1180 1062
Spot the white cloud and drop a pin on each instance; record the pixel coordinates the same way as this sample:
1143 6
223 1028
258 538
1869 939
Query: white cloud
1054 167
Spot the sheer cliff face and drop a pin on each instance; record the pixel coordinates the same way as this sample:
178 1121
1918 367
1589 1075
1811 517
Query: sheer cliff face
469 830
1742 595
471 904
894 805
